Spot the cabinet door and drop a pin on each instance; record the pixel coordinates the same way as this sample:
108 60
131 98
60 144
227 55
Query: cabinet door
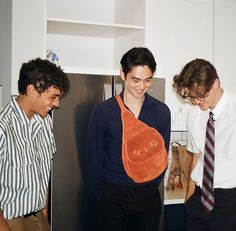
225 42
178 31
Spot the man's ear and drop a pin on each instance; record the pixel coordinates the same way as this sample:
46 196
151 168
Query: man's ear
30 90
216 83
122 74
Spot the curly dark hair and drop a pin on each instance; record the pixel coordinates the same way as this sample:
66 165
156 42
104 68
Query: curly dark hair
42 74
137 56
198 76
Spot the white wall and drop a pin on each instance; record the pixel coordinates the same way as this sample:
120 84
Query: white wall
28 34
23 31
5 48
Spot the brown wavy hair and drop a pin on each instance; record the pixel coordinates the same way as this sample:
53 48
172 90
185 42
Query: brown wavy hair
198 76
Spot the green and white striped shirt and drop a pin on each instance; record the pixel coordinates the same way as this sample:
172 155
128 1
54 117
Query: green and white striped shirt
26 150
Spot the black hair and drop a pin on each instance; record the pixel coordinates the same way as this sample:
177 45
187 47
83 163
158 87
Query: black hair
42 74
138 56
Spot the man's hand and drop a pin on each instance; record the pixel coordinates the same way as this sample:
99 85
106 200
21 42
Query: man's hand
191 184
190 190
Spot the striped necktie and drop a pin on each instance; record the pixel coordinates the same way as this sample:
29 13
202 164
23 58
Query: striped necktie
207 197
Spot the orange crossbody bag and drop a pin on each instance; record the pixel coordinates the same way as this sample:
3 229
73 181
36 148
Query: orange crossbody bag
143 151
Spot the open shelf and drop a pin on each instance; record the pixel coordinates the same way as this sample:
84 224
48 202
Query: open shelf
90 37
89 29
95 71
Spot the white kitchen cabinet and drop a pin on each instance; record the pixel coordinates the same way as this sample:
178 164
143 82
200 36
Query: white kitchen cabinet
178 31
90 36
225 42
189 29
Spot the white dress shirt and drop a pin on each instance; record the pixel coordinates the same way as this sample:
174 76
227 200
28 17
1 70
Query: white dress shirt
26 151
225 141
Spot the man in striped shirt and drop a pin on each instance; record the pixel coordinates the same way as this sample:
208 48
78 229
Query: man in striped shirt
27 146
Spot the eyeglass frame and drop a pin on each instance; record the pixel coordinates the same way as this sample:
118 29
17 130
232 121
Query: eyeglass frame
193 99
198 98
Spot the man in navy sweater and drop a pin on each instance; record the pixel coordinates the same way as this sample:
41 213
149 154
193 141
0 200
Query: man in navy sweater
124 204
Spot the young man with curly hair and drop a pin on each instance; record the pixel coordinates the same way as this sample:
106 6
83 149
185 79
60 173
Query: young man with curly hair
27 146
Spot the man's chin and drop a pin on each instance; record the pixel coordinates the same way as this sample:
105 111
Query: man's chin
43 114
139 95
203 108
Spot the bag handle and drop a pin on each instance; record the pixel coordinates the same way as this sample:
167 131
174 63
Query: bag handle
175 142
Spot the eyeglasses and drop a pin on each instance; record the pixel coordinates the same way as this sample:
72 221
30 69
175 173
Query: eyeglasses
193 99
198 98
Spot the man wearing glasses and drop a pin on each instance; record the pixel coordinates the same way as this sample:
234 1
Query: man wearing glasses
210 202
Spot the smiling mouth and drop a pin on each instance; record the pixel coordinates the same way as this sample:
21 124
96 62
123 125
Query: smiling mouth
140 92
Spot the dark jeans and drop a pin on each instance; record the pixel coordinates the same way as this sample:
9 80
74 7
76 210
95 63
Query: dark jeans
221 218
128 208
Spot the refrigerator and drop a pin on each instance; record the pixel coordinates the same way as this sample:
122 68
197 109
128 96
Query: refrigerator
73 207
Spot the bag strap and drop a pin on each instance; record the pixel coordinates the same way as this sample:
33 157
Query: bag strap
125 112
121 104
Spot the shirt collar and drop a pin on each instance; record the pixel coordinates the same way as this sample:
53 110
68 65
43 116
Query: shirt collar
20 114
220 105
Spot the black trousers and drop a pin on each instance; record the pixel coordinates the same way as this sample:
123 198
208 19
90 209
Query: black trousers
221 218
128 208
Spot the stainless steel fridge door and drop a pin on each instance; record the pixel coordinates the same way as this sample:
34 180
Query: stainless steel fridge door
72 205
157 90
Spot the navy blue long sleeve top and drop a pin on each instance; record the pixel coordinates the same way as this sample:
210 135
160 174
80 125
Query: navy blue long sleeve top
105 140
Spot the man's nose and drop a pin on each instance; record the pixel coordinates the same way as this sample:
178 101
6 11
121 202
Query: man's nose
141 84
56 103
197 101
